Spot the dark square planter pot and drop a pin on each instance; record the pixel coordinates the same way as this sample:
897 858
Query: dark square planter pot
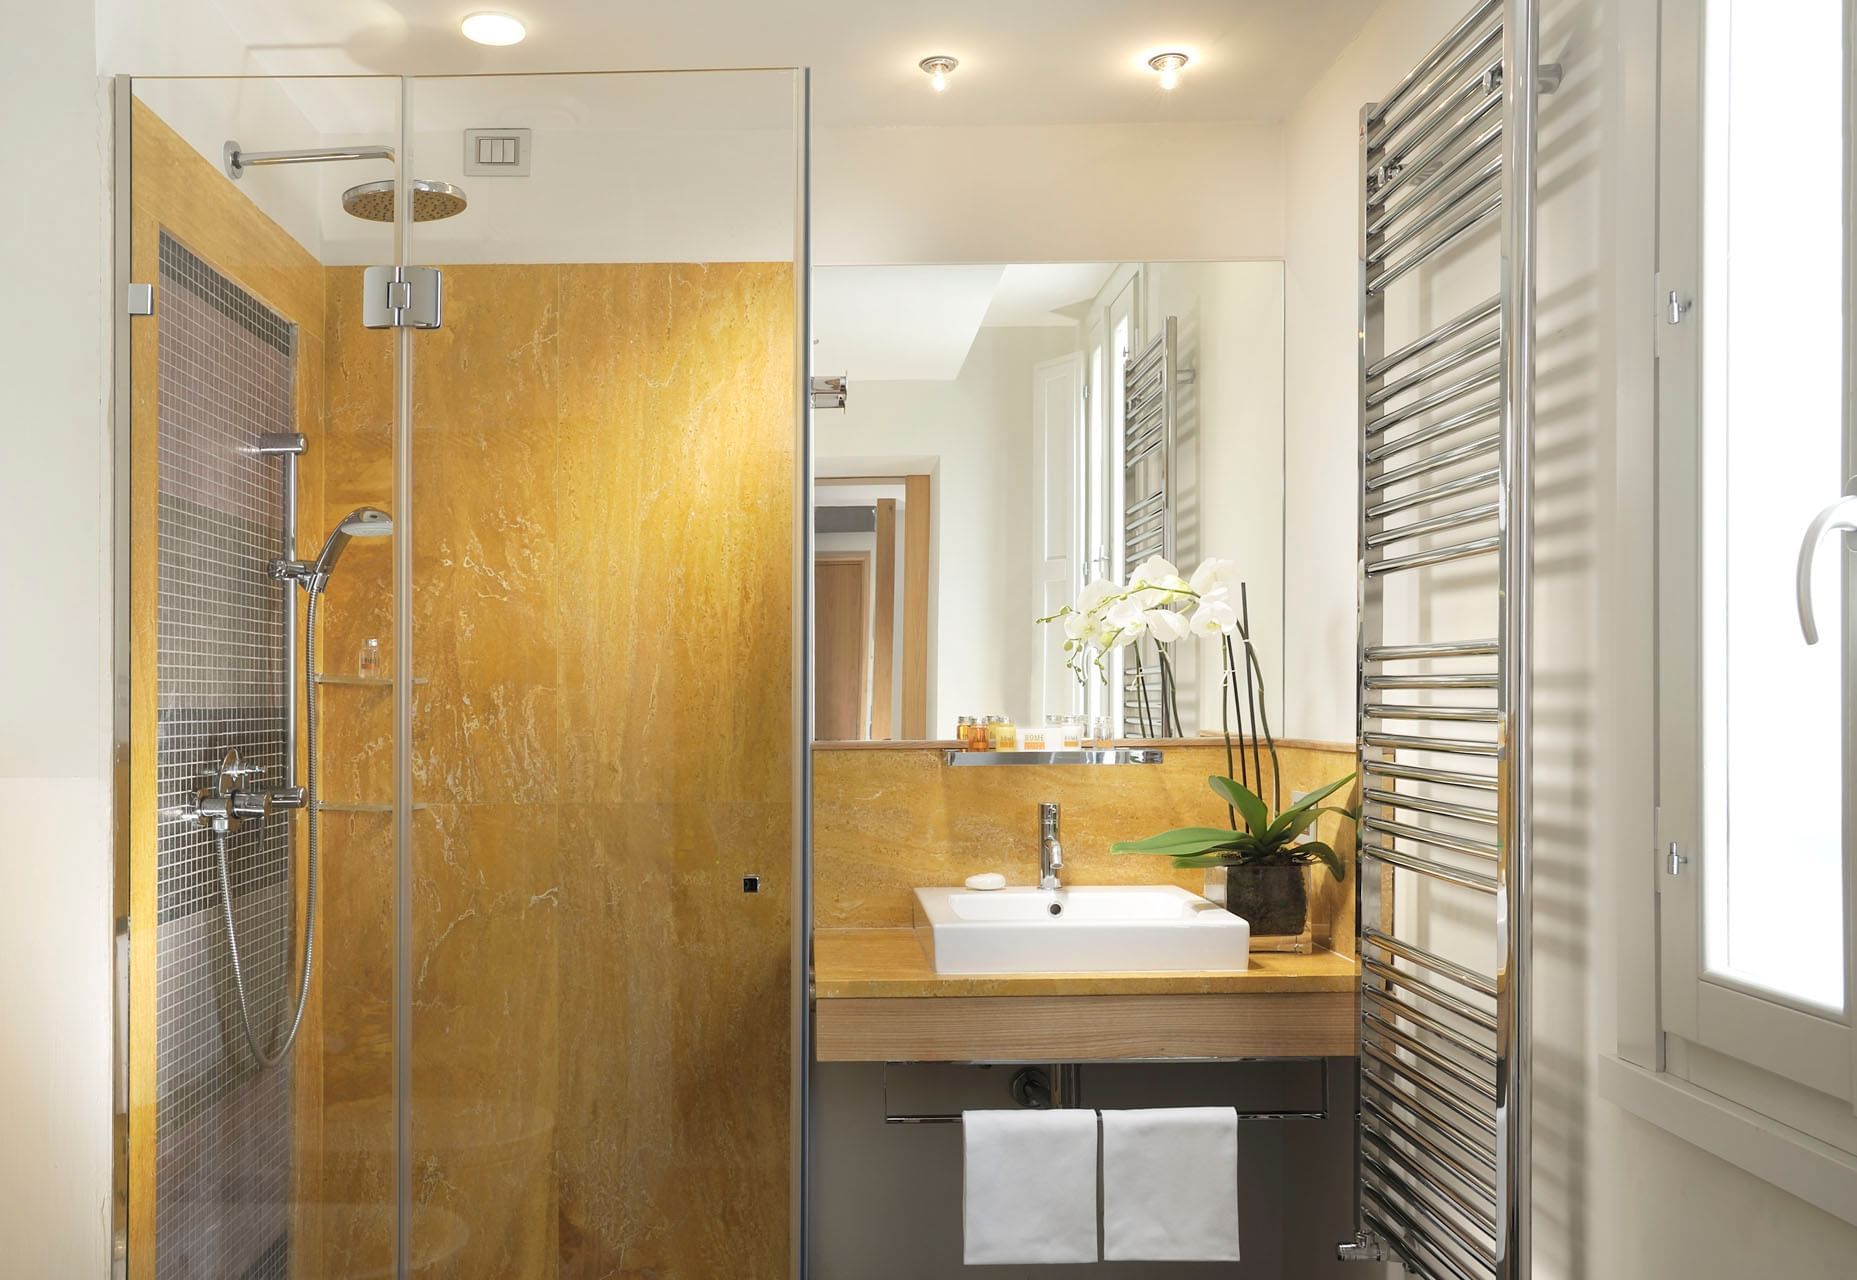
1274 900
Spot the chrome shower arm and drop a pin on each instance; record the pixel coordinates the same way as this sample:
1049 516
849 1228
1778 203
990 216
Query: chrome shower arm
239 160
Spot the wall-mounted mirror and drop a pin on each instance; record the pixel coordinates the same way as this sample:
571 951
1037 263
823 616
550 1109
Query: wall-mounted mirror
1012 433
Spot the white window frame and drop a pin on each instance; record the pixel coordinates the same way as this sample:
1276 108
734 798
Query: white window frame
1762 1084
1119 299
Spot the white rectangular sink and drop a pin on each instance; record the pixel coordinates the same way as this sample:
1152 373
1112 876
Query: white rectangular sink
1089 929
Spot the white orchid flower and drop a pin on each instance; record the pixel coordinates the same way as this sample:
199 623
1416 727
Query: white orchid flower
1155 582
1214 577
1214 618
1090 599
1166 625
1078 625
1127 615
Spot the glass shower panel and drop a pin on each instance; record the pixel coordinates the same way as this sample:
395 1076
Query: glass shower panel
602 532
257 421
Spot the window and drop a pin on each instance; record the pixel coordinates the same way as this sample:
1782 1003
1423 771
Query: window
1755 758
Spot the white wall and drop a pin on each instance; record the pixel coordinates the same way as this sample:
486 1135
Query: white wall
1048 193
974 433
54 693
1231 445
1614 1196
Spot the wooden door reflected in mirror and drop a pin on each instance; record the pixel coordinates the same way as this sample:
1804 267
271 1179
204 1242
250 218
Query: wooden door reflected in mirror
871 607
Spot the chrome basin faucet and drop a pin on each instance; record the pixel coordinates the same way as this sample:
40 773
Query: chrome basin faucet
1050 852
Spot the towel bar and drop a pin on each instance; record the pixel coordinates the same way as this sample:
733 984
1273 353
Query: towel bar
1068 1086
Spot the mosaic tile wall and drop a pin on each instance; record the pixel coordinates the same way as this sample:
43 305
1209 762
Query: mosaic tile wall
223 1126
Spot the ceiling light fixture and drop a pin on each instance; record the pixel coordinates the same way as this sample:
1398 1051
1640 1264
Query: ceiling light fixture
493 28
1169 65
938 69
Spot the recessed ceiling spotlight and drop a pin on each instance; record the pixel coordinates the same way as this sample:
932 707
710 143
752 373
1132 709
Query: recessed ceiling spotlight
939 68
1169 65
493 28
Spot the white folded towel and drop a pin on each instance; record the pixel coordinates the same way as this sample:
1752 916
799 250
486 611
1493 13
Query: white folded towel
1031 1186
1170 1185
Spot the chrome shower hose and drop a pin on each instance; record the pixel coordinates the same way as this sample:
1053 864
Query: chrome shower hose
312 795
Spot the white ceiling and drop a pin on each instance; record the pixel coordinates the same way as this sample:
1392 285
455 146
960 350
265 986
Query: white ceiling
898 324
1046 294
906 324
1022 61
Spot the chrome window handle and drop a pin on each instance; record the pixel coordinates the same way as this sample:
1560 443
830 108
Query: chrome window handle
1840 515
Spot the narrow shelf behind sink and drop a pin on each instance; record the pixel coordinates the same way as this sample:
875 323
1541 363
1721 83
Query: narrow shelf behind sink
1086 755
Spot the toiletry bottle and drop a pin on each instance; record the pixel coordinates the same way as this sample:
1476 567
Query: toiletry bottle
369 667
977 734
964 732
1002 734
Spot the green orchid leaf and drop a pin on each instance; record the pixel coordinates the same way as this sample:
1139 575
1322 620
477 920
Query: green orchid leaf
1250 806
1326 856
1293 822
1182 842
1319 794
1199 860
1245 845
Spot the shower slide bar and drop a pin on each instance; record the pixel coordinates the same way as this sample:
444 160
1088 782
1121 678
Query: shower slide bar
1445 425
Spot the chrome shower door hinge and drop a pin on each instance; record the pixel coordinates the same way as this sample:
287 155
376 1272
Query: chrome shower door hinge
402 298
141 300
1364 1247
828 392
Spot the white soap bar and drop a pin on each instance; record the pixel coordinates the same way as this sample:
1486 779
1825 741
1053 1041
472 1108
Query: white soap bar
986 880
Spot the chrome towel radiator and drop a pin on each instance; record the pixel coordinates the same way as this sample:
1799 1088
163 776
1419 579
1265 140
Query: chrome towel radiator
1447 172
1150 425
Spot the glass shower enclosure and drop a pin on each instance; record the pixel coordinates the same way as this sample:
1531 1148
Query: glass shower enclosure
463 444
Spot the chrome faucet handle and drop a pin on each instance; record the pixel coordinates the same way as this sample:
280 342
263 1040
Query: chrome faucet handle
233 771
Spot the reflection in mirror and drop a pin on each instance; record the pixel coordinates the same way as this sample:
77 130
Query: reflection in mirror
1013 433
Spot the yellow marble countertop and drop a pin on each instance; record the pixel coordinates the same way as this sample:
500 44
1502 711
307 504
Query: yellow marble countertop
890 963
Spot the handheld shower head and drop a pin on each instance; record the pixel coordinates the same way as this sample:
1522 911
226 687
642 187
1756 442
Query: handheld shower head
363 522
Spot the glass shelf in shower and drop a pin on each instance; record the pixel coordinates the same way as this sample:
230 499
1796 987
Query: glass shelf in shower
367 682
359 806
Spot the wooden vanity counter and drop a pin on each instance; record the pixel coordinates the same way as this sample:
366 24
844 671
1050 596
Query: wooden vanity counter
878 999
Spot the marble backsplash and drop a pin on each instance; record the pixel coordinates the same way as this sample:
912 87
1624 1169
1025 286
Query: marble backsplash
889 818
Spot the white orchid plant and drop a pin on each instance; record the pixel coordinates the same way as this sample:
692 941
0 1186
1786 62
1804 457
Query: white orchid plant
1160 604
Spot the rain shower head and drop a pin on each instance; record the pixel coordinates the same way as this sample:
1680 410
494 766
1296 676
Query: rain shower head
432 200
373 201
363 522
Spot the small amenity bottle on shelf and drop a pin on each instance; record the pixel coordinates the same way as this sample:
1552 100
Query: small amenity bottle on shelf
369 667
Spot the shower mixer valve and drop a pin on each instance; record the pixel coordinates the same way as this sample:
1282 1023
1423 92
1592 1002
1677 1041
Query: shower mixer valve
225 801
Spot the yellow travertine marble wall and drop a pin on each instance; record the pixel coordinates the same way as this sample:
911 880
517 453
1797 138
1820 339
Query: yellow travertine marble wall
177 190
886 820
602 537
